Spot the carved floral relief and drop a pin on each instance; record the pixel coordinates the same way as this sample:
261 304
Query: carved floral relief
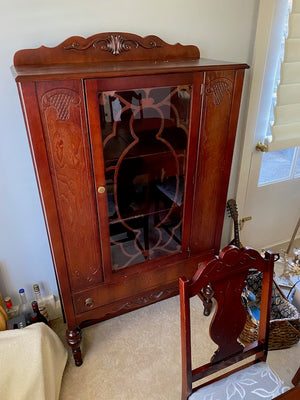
114 43
218 88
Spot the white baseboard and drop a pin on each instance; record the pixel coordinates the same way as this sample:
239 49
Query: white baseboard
53 307
276 247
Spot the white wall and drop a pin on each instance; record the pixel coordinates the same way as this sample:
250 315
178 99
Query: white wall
222 29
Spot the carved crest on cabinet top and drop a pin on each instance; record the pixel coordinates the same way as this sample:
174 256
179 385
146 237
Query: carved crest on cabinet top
60 100
105 47
115 44
219 87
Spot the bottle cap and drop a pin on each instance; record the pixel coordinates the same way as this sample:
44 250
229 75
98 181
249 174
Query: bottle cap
36 288
8 302
21 291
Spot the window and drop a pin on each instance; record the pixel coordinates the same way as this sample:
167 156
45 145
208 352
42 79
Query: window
279 165
283 164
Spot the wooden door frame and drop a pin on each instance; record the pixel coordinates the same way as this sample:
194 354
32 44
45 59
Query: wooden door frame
92 87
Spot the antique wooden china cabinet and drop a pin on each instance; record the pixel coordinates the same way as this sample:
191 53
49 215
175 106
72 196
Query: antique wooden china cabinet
132 141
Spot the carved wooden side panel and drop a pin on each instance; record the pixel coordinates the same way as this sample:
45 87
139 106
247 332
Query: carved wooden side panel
63 118
213 166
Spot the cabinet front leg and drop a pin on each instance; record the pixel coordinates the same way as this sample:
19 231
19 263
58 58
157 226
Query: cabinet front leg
74 340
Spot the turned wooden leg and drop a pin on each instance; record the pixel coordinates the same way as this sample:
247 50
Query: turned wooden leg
74 340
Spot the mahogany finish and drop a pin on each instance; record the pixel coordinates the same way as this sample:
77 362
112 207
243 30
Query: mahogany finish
104 47
132 142
292 394
223 277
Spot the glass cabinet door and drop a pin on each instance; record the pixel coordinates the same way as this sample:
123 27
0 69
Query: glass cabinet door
144 136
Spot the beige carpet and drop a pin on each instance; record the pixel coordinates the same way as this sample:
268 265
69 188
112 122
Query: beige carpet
137 355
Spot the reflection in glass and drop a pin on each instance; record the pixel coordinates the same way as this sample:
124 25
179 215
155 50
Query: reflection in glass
276 166
144 134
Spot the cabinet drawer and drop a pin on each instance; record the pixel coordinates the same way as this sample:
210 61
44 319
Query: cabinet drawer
134 285
105 311
107 294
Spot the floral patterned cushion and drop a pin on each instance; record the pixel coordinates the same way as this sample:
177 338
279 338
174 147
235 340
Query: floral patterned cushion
253 383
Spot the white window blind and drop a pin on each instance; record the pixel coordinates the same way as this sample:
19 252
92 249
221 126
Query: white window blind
286 127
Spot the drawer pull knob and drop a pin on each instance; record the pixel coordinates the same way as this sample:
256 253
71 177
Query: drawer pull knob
101 189
89 302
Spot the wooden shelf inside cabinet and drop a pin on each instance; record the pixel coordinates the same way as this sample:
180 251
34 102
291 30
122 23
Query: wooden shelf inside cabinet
137 214
133 189
145 152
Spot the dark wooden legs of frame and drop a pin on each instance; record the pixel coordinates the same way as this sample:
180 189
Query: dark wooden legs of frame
74 340
296 379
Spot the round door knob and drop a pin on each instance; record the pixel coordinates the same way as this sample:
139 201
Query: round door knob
101 189
89 302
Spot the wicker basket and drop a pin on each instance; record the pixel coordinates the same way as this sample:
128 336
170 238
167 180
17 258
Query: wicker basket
284 330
